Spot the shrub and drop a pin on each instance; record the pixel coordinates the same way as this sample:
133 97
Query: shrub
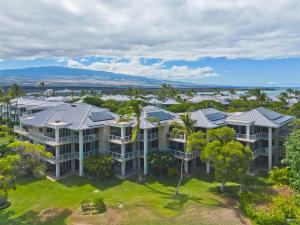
100 166
93 206
3 134
39 171
270 206
281 176
171 172
160 162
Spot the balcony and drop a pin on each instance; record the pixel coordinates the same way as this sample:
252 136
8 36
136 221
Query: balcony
90 138
121 157
252 137
89 153
19 130
151 136
141 152
176 137
119 140
181 155
62 158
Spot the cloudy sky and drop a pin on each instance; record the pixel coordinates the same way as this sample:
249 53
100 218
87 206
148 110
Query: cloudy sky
239 42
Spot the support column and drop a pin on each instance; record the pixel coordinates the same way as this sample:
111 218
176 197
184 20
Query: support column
123 151
145 151
186 166
270 148
208 168
73 160
57 153
81 153
248 132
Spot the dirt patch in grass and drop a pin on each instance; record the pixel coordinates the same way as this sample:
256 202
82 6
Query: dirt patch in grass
193 215
52 214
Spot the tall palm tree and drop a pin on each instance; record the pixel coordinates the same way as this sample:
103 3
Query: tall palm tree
15 91
188 126
6 100
41 86
136 111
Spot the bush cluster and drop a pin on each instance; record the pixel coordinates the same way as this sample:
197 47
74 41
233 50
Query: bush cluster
271 206
93 206
162 164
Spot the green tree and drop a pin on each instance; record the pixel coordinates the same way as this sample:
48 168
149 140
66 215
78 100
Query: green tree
100 166
187 127
31 155
228 156
160 163
6 99
292 156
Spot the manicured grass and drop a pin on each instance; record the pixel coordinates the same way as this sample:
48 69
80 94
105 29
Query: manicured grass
32 195
4 140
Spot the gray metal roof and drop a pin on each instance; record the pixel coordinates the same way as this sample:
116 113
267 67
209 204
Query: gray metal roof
76 116
209 118
261 117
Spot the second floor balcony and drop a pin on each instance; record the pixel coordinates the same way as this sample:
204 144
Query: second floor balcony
118 139
150 136
123 157
182 155
252 137
176 137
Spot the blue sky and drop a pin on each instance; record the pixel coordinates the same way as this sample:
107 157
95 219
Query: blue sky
208 42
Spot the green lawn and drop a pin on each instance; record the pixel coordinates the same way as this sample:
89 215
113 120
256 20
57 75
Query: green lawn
156 196
4 140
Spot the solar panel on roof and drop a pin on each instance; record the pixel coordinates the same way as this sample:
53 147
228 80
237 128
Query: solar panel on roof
270 114
161 115
216 116
101 116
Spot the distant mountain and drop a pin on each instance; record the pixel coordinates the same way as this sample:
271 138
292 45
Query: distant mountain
64 76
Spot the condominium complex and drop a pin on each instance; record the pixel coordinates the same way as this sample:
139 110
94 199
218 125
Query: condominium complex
73 132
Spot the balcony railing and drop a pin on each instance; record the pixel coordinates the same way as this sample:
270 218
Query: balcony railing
260 151
62 157
252 137
90 138
126 156
126 139
179 137
68 139
151 136
19 130
181 154
88 154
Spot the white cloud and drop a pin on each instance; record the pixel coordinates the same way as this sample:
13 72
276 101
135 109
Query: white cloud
157 70
170 29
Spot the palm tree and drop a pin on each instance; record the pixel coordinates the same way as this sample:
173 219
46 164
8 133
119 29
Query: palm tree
136 110
15 92
187 127
41 86
6 100
164 91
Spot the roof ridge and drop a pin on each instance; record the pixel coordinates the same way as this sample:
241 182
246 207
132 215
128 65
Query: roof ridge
85 116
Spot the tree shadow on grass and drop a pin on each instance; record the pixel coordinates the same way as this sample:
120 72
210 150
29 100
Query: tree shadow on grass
32 218
75 181
178 201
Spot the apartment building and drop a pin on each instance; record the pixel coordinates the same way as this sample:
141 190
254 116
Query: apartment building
264 132
73 132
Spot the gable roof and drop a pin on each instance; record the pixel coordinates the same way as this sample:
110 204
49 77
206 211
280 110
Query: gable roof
261 117
75 116
209 118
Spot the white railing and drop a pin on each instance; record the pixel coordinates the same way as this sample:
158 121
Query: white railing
260 151
253 137
151 136
141 151
175 136
90 138
68 139
62 157
181 154
126 156
89 154
18 129
112 137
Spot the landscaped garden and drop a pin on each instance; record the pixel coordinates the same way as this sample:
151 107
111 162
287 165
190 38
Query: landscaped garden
128 202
